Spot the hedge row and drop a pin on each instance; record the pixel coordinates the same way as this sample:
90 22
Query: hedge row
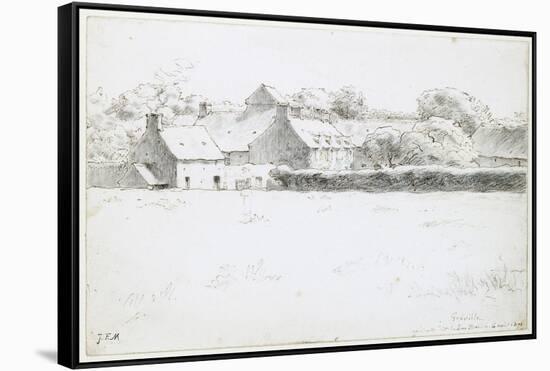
410 179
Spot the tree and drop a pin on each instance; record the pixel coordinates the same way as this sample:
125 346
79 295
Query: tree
314 102
134 104
383 147
431 142
438 142
465 110
348 103
106 140
114 126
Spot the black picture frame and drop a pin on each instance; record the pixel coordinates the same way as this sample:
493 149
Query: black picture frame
68 182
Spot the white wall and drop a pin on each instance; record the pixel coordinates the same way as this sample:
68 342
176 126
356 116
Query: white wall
258 175
500 161
329 159
28 198
201 174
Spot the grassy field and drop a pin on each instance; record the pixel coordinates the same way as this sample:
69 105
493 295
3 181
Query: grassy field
185 270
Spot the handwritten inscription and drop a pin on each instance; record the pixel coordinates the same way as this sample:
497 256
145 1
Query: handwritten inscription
228 274
472 326
108 337
138 299
465 317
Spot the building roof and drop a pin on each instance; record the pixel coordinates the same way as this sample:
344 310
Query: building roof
319 134
147 174
267 95
501 141
275 94
191 143
184 120
234 131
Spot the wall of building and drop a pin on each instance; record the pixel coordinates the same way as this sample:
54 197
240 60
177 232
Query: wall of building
484 161
331 158
234 177
199 174
279 145
237 157
152 150
246 177
104 174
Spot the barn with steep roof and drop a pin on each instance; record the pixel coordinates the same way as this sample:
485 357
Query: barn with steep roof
302 143
234 131
184 157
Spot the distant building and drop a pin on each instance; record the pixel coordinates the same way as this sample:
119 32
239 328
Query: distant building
501 146
183 157
301 143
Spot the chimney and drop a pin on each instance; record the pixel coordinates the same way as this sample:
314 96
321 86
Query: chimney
326 116
204 109
296 111
154 121
282 111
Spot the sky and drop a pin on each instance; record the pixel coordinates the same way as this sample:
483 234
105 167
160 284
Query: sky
231 58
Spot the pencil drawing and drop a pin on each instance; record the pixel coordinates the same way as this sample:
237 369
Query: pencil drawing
258 189
249 148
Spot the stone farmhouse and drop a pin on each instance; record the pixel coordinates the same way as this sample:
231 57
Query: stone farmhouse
183 157
272 131
301 144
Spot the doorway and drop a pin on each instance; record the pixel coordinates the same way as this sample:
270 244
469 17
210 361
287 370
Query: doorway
216 182
187 182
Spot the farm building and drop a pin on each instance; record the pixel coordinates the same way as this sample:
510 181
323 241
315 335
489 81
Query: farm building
186 157
235 149
302 143
183 157
234 131
499 145
256 135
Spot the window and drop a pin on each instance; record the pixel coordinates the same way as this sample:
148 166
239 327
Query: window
187 182
315 139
